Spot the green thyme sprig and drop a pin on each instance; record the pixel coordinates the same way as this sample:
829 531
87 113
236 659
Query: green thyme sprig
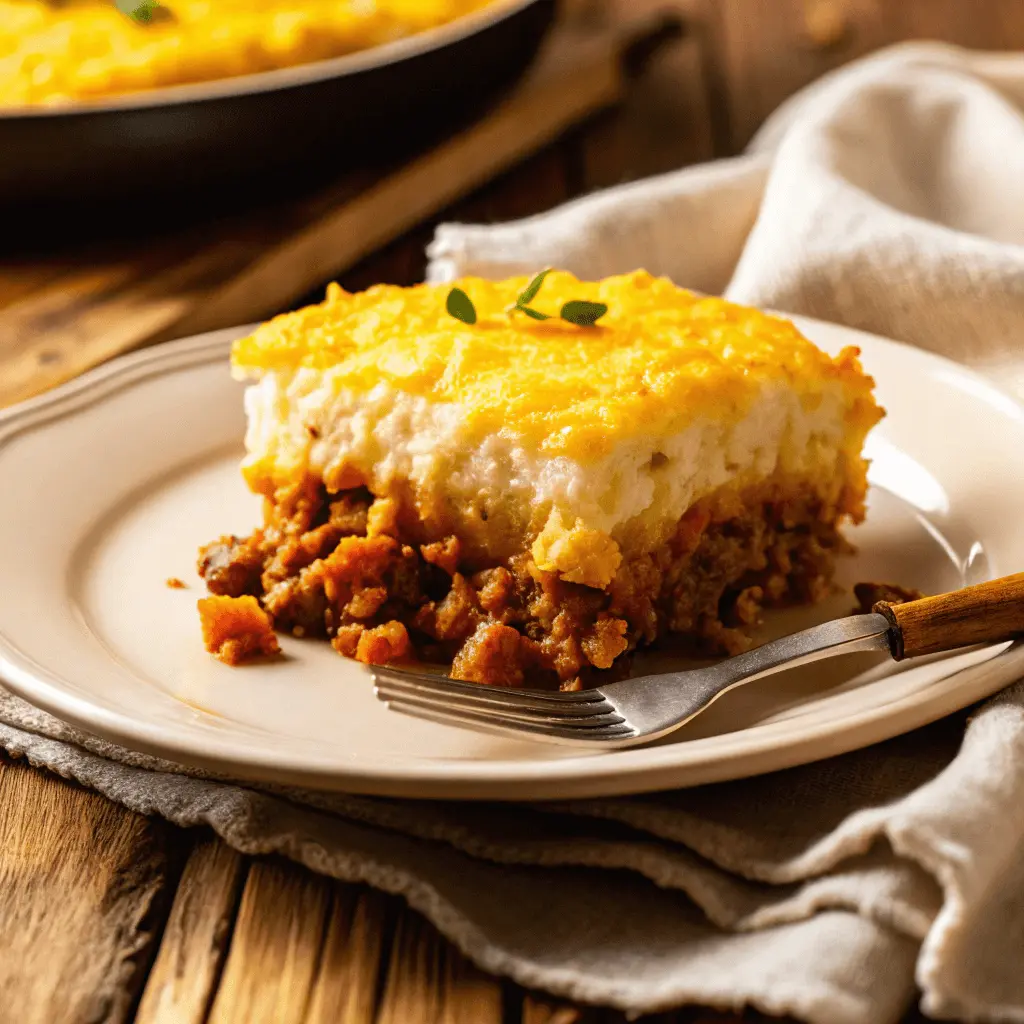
142 11
460 306
580 312
522 304
583 313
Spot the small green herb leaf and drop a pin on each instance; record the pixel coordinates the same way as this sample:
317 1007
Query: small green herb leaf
583 314
460 306
532 288
138 10
534 314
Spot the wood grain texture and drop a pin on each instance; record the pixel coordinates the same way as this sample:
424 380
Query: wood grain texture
664 120
983 614
539 183
18 279
356 948
185 975
82 883
764 52
768 52
275 950
429 982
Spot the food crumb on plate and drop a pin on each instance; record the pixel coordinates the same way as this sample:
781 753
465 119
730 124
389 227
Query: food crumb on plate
176 584
236 629
869 594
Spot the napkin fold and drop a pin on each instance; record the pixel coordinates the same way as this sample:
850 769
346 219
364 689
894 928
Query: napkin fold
889 196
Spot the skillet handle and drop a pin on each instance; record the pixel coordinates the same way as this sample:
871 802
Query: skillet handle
983 614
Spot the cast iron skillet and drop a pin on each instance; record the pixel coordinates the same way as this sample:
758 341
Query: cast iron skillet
239 132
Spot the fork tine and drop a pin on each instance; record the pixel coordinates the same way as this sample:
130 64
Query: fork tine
574 719
486 698
443 684
601 735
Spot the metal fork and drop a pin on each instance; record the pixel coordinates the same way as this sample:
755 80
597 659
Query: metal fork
635 711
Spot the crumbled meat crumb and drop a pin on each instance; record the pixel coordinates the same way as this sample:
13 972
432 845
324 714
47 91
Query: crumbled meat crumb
490 655
231 566
869 594
348 512
457 615
176 584
346 640
747 609
496 590
360 558
445 554
605 642
366 602
715 636
295 553
236 629
383 644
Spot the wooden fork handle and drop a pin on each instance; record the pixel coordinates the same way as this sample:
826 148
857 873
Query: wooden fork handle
983 614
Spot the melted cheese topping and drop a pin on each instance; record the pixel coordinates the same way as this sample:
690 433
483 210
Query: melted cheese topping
661 360
52 53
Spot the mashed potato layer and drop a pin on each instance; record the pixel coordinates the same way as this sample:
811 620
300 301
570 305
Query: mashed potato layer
583 445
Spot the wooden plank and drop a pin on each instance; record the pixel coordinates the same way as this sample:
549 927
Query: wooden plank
56 334
82 887
981 24
19 279
184 978
664 119
355 949
766 52
304 949
540 183
275 950
430 982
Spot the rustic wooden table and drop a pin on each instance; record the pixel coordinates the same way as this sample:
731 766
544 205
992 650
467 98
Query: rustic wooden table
187 930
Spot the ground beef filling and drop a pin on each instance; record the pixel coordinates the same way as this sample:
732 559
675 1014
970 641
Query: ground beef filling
334 566
236 629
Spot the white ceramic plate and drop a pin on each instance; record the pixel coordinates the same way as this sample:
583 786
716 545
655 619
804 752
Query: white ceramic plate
109 485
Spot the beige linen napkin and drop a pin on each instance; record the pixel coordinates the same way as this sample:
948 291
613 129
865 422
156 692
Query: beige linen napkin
889 197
